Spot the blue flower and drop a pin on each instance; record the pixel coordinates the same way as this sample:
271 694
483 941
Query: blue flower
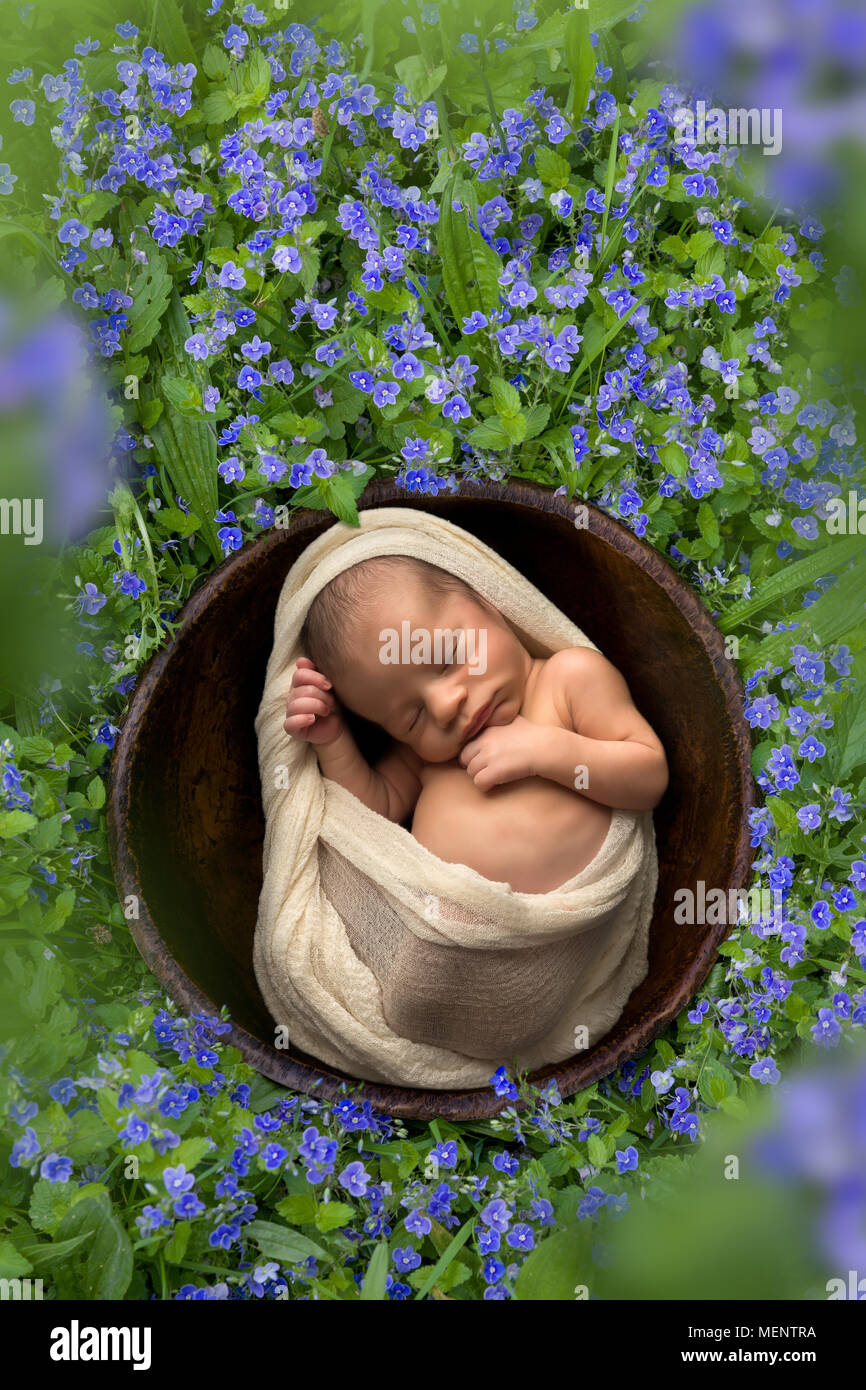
56 1168
188 1206
73 232
418 1223
231 277
25 1148
90 600
821 915
841 808
781 767
129 583
827 1031
809 817
23 111
765 1071
811 748
355 1179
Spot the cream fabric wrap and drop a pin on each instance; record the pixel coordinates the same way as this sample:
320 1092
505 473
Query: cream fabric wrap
387 962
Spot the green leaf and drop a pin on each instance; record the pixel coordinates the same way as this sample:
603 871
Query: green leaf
490 435
597 1150
90 1137
215 61
581 61
505 397
283 1244
448 1254
256 77
189 1152
176 1247
287 424
172 519
708 526
12 1263
607 13
150 291
333 1214
515 428
841 609
173 33
850 730
800 575
676 247
699 242
96 792
711 263
607 248
217 108
674 459
182 393
734 1105
552 169
43 1254
36 749
339 496
15 823
470 268
101 1267
299 1209
420 81
95 754
610 53
559 1264
373 1286
536 419
187 447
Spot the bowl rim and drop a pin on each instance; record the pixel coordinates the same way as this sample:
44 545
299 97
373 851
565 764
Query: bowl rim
317 1078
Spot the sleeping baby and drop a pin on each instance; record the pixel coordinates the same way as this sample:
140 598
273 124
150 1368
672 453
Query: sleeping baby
508 763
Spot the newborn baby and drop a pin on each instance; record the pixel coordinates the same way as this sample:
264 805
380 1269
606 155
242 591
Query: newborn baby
509 763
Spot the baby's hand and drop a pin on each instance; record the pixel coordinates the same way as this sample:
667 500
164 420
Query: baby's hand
312 712
503 753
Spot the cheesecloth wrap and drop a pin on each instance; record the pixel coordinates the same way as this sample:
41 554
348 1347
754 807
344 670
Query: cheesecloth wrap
383 960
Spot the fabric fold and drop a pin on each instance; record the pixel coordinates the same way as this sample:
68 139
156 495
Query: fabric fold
381 959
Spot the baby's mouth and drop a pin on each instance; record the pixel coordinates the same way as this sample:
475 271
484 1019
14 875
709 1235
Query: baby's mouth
477 723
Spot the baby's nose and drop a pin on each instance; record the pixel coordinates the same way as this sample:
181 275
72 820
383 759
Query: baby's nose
446 698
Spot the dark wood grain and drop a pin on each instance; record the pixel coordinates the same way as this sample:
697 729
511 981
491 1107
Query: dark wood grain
185 818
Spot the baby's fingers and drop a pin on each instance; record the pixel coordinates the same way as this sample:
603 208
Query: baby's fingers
307 674
309 703
297 725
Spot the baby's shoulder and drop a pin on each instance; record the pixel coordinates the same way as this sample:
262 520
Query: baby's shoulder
572 661
571 677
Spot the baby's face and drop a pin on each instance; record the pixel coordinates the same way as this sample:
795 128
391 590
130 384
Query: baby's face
433 670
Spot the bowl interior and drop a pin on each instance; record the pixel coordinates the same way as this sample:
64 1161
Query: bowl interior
188 823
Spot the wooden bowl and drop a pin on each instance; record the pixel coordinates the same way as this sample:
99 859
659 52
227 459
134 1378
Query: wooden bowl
185 818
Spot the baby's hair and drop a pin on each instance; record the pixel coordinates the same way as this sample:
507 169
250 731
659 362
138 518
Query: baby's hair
329 621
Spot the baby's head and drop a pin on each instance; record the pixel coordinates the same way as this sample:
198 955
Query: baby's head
416 650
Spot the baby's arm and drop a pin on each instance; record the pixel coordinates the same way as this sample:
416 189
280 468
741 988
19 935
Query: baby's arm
624 759
312 714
